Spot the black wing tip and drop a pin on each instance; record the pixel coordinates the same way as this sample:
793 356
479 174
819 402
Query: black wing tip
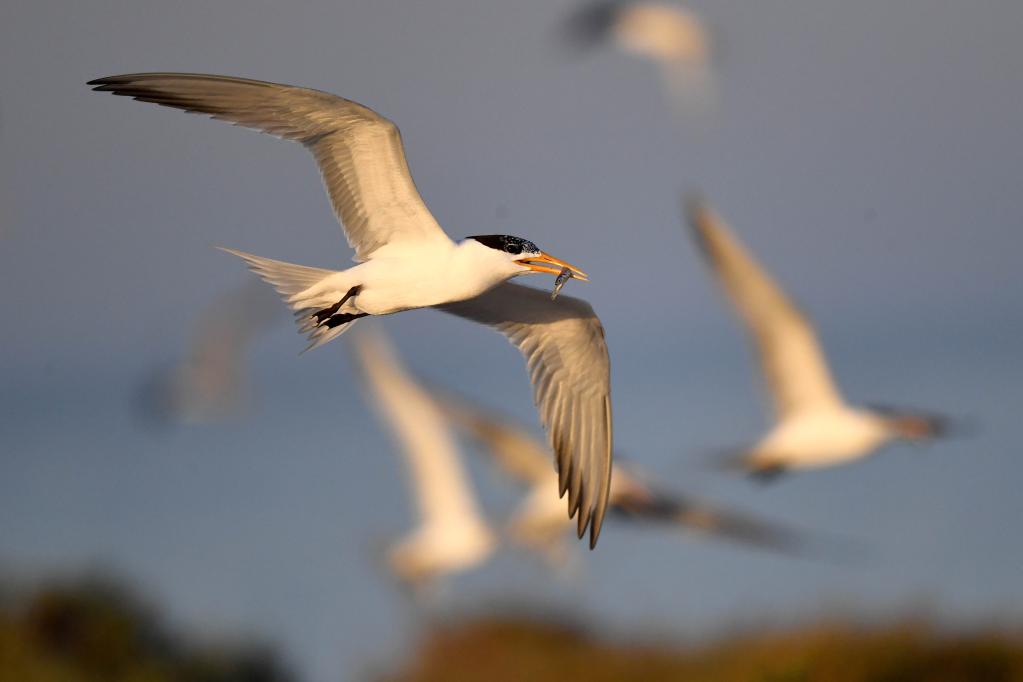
595 527
591 518
136 78
589 25
112 82
695 208
105 84
694 202
125 86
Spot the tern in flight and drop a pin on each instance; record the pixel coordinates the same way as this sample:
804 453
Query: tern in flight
453 535
210 384
405 260
539 522
667 34
659 31
814 426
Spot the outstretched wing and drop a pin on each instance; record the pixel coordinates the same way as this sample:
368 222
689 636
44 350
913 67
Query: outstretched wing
359 152
563 344
790 355
632 499
443 492
515 450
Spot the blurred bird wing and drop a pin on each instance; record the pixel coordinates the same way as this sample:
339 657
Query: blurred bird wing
791 358
539 519
210 383
442 488
359 152
235 318
633 498
563 344
515 451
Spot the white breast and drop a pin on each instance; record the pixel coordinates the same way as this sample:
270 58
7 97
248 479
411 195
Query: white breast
821 438
400 277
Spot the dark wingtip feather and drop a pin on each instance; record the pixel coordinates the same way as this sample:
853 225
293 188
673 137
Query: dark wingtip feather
588 26
695 208
109 83
694 203
595 527
581 521
573 500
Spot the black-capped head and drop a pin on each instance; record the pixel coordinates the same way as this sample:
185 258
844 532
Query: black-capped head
515 246
513 256
590 23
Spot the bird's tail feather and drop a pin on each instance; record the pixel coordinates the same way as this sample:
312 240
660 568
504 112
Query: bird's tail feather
288 279
320 312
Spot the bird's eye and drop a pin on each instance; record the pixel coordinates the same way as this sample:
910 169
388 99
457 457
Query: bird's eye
514 249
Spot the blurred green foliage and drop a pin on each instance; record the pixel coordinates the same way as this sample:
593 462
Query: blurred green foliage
499 650
94 631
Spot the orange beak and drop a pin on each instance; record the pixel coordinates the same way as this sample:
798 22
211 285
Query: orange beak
536 264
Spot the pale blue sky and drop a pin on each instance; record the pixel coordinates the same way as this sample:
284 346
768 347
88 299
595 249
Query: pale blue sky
869 153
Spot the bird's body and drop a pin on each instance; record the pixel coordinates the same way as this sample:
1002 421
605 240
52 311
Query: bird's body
405 260
814 425
405 276
400 276
662 32
819 438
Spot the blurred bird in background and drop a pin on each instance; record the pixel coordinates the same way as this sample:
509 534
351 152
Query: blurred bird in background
538 522
211 383
814 426
407 261
452 534
671 36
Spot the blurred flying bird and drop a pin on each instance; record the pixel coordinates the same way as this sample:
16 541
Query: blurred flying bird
539 522
667 34
211 383
407 261
452 535
814 425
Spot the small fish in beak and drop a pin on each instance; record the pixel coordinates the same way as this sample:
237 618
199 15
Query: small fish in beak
560 281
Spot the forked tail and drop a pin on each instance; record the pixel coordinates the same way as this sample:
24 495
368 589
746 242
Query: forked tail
318 297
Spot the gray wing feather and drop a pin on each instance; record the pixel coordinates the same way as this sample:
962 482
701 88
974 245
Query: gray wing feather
791 358
359 152
567 359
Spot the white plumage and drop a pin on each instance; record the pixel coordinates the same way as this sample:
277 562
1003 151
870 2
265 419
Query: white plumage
814 426
452 534
407 261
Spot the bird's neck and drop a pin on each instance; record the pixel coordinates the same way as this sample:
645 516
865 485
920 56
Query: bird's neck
478 268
